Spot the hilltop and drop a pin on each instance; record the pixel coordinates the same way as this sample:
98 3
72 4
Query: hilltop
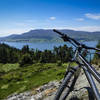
50 36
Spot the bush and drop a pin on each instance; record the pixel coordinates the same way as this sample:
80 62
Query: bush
59 63
26 59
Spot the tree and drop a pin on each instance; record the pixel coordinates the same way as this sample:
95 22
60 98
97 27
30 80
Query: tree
47 57
25 49
26 59
63 53
37 55
9 54
3 55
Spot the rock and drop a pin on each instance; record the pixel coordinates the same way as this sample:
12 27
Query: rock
41 92
21 96
46 90
82 90
47 86
38 96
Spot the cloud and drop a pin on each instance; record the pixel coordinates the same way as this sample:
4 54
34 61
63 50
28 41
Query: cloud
13 31
80 19
22 30
52 18
81 28
93 16
87 28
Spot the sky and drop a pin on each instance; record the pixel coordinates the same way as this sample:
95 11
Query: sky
19 16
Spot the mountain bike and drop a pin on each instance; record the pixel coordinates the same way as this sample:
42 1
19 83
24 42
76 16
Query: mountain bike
72 73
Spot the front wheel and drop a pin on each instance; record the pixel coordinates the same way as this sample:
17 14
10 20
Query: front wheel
68 84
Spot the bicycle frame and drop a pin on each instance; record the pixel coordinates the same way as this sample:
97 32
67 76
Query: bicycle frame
89 71
83 63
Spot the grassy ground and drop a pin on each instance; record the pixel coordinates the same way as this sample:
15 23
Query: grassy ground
15 79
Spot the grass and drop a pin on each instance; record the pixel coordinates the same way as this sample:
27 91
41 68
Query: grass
15 79
8 67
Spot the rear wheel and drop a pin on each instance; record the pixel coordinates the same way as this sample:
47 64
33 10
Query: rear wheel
68 84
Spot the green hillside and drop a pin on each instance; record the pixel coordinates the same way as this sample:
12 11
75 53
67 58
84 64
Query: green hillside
41 35
15 79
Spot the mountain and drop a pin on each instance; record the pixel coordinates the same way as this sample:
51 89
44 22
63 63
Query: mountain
49 35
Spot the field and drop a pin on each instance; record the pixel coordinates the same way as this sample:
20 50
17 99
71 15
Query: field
15 79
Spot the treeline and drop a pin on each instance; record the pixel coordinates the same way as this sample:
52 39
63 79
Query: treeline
29 56
9 54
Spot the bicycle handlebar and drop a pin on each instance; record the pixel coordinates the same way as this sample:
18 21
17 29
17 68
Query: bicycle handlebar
58 32
67 38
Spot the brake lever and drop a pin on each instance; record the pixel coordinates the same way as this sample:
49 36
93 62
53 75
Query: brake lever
97 53
92 48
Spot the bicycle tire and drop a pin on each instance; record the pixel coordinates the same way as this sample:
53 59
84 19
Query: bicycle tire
70 79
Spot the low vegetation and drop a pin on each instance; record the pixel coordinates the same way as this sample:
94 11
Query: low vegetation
26 69
16 79
26 55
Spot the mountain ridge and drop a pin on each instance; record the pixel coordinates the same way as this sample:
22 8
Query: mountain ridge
49 35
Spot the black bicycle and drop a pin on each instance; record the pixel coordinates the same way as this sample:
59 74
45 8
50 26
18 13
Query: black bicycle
72 73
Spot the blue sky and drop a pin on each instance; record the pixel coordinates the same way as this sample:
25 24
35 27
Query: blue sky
18 16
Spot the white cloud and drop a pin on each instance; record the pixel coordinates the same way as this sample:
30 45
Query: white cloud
80 19
52 18
93 16
82 28
7 32
87 28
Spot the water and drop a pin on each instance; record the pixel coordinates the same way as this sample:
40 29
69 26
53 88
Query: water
43 46
50 46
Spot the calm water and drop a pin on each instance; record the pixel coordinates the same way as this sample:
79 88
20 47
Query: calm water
43 46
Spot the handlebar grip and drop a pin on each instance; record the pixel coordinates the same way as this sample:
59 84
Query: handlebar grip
92 48
97 49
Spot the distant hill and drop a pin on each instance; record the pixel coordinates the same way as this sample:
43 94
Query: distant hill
49 35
